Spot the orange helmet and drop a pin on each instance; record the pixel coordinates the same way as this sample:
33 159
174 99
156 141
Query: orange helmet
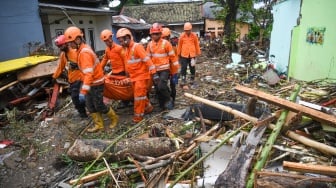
165 32
156 28
122 32
105 34
71 33
60 40
187 26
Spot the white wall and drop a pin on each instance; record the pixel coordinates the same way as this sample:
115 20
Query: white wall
285 15
97 23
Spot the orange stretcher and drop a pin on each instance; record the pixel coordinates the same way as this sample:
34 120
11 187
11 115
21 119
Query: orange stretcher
118 88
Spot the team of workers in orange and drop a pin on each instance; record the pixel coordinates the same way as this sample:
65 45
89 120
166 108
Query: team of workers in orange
93 79
129 61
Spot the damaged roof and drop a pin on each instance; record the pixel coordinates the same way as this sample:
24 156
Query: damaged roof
166 13
130 23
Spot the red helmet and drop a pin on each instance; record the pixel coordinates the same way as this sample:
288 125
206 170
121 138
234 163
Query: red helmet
60 40
156 28
105 34
187 26
165 32
72 33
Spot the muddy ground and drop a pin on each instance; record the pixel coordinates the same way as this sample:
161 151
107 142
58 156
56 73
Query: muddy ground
37 157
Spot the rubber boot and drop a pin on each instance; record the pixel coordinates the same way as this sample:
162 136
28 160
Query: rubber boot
114 118
98 121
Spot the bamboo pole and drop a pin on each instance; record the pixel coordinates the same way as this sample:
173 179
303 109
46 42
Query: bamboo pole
324 148
222 107
310 168
208 154
8 85
271 139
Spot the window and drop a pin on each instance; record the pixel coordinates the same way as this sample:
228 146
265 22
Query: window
211 28
80 21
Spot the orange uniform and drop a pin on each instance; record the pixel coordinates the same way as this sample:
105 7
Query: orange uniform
116 57
188 46
162 55
140 67
91 68
68 61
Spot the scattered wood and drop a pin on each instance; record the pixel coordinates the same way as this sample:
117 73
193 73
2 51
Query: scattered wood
182 174
309 168
236 172
40 70
317 115
282 180
8 85
90 149
271 140
326 149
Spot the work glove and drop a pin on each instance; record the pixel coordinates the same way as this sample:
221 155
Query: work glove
174 79
156 79
193 62
81 98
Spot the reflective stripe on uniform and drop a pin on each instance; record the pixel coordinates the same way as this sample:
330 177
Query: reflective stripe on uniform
162 67
88 70
140 98
152 67
176 63
171 53
146 59
159 55
139 115
97 81
132 61
86 87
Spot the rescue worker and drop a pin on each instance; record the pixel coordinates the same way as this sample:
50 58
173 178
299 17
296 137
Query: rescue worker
161 53
188 49
115 54
140 69
174 66
93 79
68 61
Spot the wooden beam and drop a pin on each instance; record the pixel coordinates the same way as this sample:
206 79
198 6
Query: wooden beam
314 114
310 168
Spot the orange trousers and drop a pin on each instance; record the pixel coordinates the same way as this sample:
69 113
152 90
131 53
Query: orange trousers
141 101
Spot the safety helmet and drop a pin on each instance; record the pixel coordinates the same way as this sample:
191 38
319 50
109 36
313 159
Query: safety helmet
105 34
71 33
122 32
60 40
165 32
187 26
156 28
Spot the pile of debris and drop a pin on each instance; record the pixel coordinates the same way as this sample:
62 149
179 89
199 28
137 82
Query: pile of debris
233 127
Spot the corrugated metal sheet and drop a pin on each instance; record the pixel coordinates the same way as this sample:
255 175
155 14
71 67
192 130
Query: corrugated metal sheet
16 64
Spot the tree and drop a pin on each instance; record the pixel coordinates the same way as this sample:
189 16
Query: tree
229 16
261 18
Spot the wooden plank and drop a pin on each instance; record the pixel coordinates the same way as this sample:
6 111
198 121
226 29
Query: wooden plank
314 114
40 70
310 168
235 174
